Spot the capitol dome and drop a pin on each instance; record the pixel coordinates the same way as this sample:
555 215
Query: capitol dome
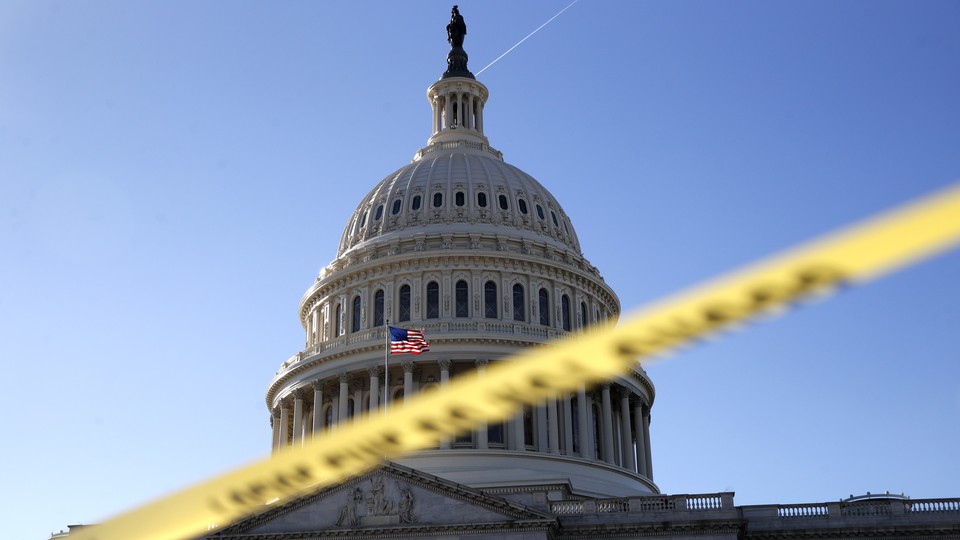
482 258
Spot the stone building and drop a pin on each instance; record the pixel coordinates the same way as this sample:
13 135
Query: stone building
483 259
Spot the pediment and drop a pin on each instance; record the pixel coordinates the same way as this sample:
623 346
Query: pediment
392 498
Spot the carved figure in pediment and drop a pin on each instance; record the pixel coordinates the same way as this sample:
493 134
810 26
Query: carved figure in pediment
378 504
406 504
348 514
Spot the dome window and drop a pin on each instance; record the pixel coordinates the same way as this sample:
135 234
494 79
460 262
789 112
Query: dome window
544 302
378 308
404 311
554 216
460 199
437 200
433 300
462 299
355 315
490 300
396 207
379 213
540 212
503 202
482 200
518 303
522 204
363 219
416 203
565 312
583 315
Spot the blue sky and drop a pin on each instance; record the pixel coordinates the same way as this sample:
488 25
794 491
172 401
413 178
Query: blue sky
174 174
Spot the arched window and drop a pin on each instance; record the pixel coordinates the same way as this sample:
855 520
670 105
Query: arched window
379 213
437 200
490 300
583 314
554 216
459 198
433 300
565 312
462 299
482 199
404 311
363 219
416 203
544 307
518 303
355 326
378 308
522 204
597 436
337 320
540 212
503 202
397 204
495 434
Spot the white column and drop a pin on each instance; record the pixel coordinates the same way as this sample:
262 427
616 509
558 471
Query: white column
541 417
448 112
408 379
567 424
284 425
297 417
459 109
482 443
444 381
317 407
516 429
626 438
357 399
641 439
479 116
646 436
585 423
553 427
275 428
469 116
606 423
374 372
343 398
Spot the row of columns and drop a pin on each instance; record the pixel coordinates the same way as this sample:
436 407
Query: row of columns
554 420
468 107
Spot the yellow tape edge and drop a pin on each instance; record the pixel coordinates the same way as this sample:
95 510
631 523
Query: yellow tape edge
854 255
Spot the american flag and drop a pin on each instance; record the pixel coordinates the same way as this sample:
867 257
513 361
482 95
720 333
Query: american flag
404 341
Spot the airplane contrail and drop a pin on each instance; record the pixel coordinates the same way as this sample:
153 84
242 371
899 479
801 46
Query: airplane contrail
528 35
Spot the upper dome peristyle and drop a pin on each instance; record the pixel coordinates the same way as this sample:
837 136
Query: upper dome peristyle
458 183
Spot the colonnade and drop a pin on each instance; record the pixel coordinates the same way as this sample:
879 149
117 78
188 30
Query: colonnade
616 430
457 110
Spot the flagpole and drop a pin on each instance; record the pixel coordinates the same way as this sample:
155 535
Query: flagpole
386 372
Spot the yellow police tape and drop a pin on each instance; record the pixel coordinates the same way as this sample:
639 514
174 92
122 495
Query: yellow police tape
879 245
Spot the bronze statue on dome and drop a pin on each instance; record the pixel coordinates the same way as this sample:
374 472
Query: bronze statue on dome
457 29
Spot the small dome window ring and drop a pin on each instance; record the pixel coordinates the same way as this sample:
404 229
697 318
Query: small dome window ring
397 205
415 205
379 213
522 205
482 199
554 216
437 200
540 212
459 198
503 202
363 219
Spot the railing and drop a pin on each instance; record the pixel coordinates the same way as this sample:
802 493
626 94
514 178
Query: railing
866 508
567 508
653 505
609 506
377 335
933 505
802 510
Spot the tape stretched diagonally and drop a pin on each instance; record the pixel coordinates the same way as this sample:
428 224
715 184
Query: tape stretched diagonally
851 256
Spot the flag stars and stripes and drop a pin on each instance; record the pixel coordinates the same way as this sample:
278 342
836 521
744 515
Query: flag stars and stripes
403 341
